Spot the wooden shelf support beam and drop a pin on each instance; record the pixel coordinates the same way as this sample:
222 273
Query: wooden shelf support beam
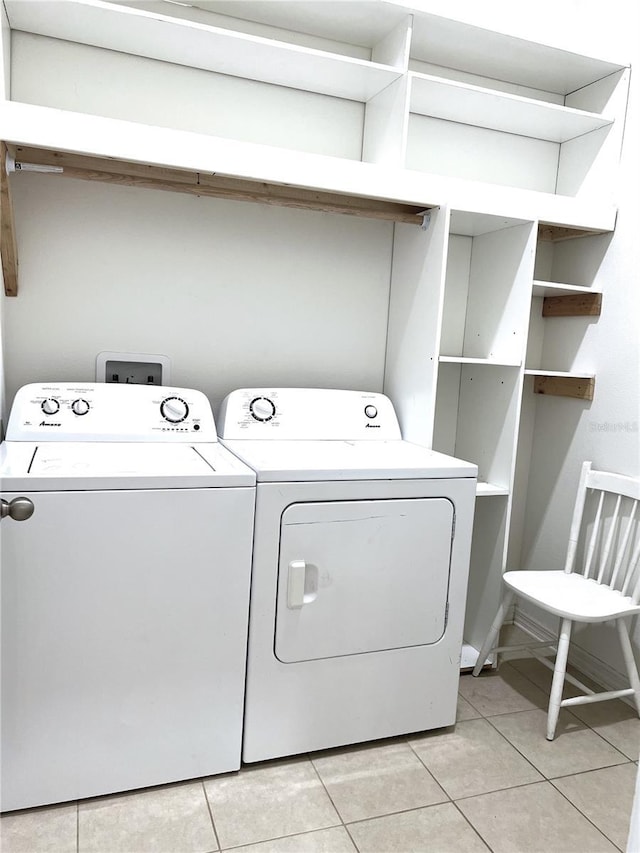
124 173
578 387
558 233
8 249
573 305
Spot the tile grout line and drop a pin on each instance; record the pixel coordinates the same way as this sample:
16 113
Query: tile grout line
281 837
398 812
586 817
324 787
210 810
436 780
477 831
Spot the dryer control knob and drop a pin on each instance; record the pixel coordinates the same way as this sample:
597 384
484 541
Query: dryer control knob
80 407
371 411
50 406
174 409
262 408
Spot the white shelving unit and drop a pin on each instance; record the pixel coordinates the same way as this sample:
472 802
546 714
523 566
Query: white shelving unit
494 134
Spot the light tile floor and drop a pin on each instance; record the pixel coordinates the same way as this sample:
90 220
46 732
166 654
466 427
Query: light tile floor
492 782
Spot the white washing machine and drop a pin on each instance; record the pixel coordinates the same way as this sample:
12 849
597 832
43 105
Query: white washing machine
360 564
126 555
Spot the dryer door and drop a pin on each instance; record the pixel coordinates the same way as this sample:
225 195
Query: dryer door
362 576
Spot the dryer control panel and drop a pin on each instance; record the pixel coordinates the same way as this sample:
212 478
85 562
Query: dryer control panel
307 414
95 411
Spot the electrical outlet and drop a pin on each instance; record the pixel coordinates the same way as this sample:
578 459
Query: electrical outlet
134 372
128 368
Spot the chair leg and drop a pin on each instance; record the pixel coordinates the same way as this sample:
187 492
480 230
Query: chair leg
627 652
558 677
490 639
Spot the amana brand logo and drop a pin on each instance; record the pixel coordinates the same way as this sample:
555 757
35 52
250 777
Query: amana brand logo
372 426
48 423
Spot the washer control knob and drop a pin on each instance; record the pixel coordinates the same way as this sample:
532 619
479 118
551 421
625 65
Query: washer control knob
80 407
262 408
174 409
371 411
50 406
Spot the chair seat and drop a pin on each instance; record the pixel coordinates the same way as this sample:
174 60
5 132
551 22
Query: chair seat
571 595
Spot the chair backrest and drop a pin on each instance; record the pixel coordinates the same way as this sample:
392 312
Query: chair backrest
611 553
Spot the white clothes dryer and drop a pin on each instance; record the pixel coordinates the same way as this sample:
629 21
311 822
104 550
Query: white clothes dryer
360 564
126 554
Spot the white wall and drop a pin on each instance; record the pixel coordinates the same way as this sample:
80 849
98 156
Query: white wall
234 293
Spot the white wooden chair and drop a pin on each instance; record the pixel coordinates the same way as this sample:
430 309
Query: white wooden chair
606 589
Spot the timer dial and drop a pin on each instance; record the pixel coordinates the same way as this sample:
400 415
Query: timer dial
80 407
50 406
371 411
262 408
174 409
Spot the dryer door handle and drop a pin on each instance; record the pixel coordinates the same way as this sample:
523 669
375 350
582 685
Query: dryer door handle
302 586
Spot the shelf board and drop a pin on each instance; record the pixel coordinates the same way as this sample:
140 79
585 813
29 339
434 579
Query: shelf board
469 656
560 374
459 359
134 142
494 110
556 288
484 489
195 45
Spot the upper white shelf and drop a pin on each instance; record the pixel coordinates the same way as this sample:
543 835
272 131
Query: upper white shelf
97 136
559 374
462 359
141 33
556 288
489 108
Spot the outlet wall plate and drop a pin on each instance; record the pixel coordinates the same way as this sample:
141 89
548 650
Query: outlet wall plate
133 368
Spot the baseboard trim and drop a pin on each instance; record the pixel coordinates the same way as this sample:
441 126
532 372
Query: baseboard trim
602 673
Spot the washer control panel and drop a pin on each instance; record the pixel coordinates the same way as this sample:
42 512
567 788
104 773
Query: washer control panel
307 413
74 411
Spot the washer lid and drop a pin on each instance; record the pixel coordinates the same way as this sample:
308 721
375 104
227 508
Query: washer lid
97 465
300 461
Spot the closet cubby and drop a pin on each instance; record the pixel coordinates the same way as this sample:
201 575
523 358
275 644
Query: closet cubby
478 133
476 420
485 294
